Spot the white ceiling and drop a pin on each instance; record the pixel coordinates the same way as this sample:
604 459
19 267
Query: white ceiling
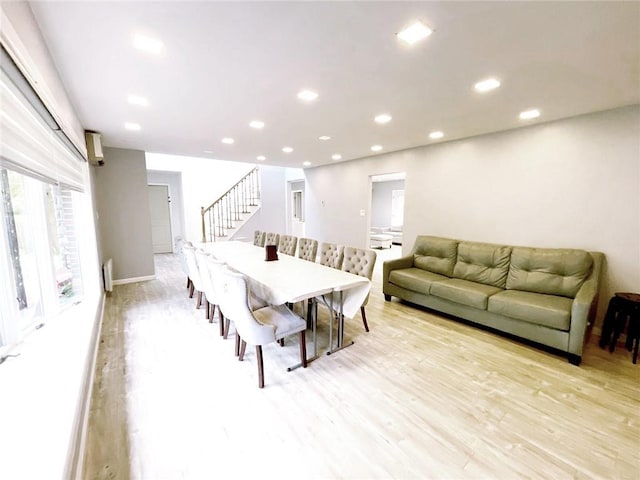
225 64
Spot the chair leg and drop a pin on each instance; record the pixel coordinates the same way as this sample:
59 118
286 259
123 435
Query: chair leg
243 346
281 342
303 349
199 301
188 282
260 366
220 320
364 319
226 328
191 289
207 310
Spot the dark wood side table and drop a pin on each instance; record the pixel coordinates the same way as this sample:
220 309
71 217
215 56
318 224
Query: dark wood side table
623 309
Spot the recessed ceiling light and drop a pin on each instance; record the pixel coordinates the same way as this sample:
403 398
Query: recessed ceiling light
132 126
138 100
147 44
307 95
414 33
376 148
487 85
383 118
529 114
306 164
287 149
324 137
228 140
336 156
256 124
436 135
262 158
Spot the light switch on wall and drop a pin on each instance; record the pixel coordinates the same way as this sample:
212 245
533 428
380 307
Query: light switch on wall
362 213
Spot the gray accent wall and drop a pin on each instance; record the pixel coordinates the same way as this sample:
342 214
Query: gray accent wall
124 221
569 183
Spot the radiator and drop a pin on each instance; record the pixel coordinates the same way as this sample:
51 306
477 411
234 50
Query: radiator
107 275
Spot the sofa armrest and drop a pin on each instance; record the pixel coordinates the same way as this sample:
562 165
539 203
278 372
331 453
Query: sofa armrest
584 306
395 264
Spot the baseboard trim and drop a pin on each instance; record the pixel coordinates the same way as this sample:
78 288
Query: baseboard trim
75 460
123 281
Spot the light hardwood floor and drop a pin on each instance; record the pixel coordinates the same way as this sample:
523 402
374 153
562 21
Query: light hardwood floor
420 396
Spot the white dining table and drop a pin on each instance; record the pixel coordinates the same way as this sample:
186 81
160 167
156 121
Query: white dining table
291 279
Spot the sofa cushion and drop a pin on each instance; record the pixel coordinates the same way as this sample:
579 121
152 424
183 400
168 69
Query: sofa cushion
557 271
435 254
547 310
483 263
414 279
465 292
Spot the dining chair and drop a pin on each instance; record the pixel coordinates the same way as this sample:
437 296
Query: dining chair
217 270
194 273
205 262
307 249
331 255
360 262
183 262
272 239
288 244
258 238
260 327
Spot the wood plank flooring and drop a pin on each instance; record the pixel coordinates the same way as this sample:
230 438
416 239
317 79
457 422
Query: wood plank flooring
420 396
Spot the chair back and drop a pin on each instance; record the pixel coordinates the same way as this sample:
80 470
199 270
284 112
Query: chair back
272 239
359 262
211 265
258 238
288 244
234 301
192 266
203 270
308 249
331 255
180 243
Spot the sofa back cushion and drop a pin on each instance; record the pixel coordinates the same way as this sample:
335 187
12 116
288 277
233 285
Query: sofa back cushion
435 254
554 271
483 263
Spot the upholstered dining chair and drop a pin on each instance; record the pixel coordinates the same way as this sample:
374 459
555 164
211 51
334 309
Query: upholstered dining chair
194 273
258 238
307 249
205 262
272 239
288 244
360 262
183 261
331 255
260 327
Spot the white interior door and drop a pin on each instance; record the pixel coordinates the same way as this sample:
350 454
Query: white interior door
160 219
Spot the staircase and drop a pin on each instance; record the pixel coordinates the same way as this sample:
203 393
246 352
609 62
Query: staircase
224 216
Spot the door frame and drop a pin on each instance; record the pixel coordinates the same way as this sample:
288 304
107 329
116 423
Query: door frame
171 226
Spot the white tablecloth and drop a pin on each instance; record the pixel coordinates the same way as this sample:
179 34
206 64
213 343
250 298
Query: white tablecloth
290 279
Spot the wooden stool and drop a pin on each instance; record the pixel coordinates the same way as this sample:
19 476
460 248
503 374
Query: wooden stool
622 307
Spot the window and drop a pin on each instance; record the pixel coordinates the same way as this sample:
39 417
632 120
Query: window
44 262
397 208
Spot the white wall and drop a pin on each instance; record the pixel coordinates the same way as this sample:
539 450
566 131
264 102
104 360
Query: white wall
204 180
570 183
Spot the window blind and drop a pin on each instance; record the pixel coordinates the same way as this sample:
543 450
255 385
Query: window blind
29 145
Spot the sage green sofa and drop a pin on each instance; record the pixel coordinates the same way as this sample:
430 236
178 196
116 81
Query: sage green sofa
545 295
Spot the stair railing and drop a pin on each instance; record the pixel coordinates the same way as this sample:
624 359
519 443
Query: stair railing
219 217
